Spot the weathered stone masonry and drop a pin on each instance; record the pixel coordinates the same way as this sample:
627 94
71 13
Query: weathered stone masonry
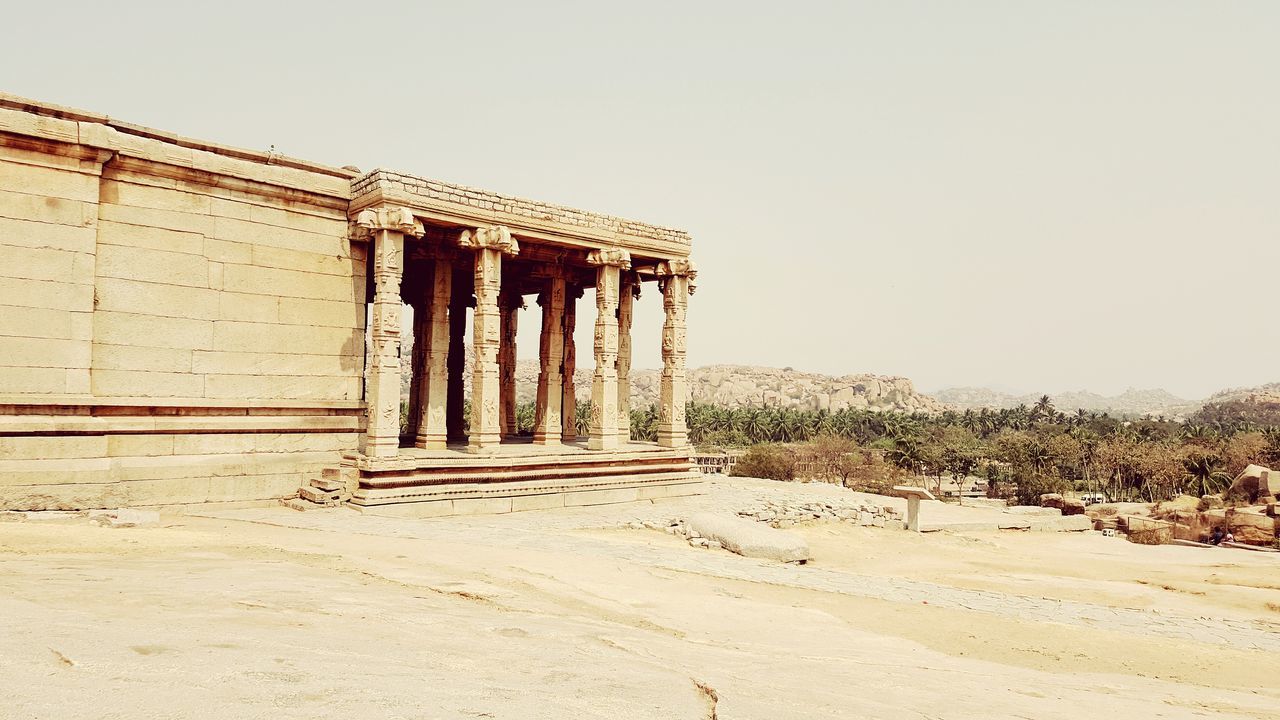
183 322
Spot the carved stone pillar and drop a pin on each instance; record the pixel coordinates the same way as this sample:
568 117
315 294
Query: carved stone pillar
677 278
433 429
386 227
569 398
509 306
627 294
547 428
418 358
456 363
604 381
490 244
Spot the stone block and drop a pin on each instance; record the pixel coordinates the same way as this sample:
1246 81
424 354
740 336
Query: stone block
24 380
310 222
137 357
133 329
225 228
327 485
130 383
599 497
47 447
287 283
152 218
56 211
751 539
246 308
149 298
42 352
282 387
421 510
20 292
43 263
150 238
227 251
139 445
49 182
155 266
156 198
482 506
30 233
328 313
310 262
30 322
537 502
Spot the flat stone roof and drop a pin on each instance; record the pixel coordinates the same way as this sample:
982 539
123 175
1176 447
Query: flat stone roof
522 214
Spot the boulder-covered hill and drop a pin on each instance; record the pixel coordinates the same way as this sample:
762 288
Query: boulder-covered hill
746 386
1131 402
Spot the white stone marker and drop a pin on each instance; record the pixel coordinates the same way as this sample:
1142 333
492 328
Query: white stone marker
913 495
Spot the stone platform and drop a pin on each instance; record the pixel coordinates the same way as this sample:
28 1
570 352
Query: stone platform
517 475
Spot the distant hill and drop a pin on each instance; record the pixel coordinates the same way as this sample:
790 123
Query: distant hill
1131 402
744 386
1258 405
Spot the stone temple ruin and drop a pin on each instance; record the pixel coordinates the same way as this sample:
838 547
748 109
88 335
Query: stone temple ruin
186 323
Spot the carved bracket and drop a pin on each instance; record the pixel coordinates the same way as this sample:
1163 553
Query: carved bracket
398 219
493 237
614 256
678 266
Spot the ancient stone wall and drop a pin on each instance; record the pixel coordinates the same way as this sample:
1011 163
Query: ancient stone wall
178 323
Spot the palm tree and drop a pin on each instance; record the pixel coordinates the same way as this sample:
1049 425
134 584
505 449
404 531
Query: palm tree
1043 407
1205 473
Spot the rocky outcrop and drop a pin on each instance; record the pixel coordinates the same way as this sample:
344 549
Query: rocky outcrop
749 386
1131 402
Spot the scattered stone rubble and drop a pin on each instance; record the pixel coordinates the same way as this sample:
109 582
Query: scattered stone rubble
790 514
780 514
118 518
330 490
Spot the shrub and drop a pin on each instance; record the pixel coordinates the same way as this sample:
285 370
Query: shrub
774 462
1152 536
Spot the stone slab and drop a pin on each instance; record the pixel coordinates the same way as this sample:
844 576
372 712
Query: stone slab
751 539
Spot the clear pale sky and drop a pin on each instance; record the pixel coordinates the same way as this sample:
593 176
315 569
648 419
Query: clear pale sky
1033 196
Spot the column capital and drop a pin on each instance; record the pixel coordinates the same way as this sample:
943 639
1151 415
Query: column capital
398 219
492 237
683 267
614 256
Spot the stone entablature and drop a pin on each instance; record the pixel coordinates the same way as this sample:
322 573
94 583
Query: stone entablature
467 205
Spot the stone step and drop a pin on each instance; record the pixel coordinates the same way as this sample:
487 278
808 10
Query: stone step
300 504
327 484
317 495
331 473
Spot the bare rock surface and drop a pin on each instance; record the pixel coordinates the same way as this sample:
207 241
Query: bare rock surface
595 612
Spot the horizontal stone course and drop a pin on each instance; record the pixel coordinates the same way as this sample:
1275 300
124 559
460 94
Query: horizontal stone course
496 202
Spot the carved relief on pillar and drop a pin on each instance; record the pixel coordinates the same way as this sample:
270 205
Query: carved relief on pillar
569 365
677 280
628 293
547 427
433 421
489 244
386 227
509 307
609 264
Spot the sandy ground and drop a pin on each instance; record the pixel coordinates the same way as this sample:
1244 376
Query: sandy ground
270 613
